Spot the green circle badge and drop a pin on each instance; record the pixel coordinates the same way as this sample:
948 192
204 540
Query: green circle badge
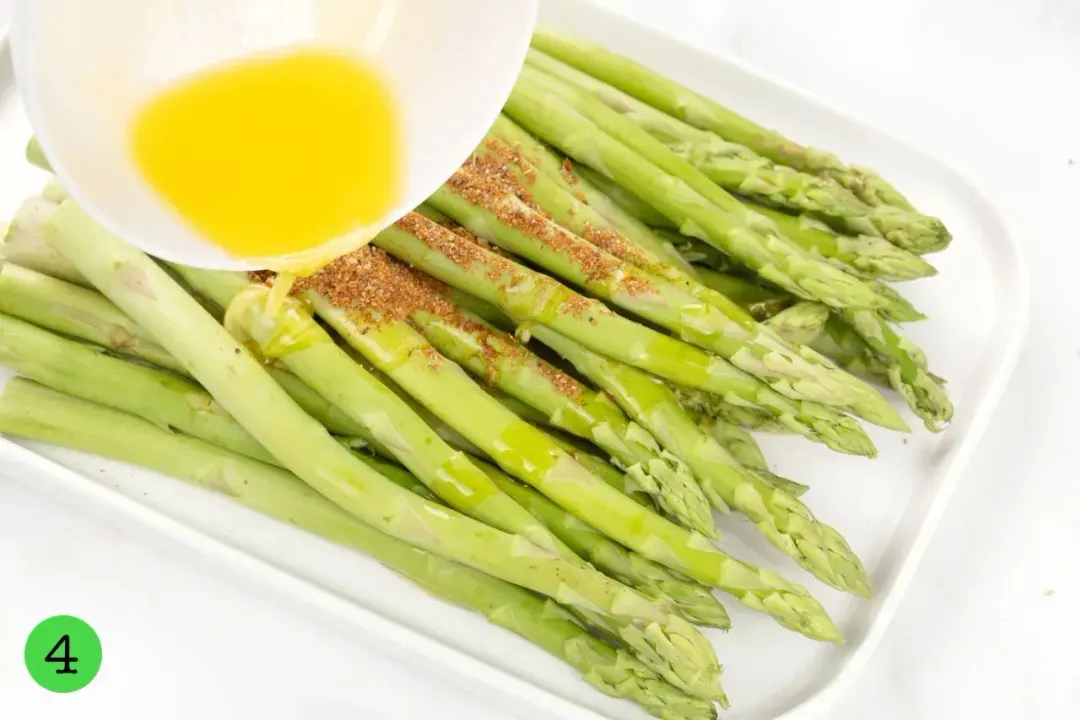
63 654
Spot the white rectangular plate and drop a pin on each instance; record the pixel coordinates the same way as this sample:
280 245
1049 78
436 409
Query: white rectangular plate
887 508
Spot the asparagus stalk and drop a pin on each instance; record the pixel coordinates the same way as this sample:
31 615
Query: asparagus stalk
596 466
690 663
781 518
630 203
87 315
160 397
906 368
529 455
748 293
669 96
740 170
897 309
578 181
695 602
862 255
21 245
32 412
801 323
236 380
76 311
690 599
742 446
531 297
568 404
760 301
598 137
492 210
700 403
608 556
614 477
865 344
599 261
294 337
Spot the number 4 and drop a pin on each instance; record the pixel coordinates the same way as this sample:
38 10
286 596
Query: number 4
65 644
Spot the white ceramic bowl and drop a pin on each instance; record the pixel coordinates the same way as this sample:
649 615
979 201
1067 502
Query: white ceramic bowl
84 67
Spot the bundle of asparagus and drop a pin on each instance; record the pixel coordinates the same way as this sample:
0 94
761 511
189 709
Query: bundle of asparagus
556 360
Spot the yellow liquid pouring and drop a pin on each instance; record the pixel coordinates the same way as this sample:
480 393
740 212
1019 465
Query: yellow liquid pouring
277 155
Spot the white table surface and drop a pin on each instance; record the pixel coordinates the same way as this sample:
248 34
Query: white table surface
986 630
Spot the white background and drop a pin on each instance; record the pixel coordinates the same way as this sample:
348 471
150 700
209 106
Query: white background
989 628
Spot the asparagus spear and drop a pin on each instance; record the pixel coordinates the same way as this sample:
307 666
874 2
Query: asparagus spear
601 469
530 297
160 397
630 203
906 368
77 311
781 518
567 404
598 137
898 308
614 477
524 452
32 412
745 450
690 663
700 403
865 344
690 599
236 380
89 316
156 395
637 390
578 181
650 579
760 301
475 196
669 96
865 256
294 337
748 293
476 199
740 170
801 323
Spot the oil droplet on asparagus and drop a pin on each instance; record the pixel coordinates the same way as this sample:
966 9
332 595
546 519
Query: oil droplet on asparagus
274 155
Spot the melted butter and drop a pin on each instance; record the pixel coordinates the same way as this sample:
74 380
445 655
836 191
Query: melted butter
279 291
276 156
